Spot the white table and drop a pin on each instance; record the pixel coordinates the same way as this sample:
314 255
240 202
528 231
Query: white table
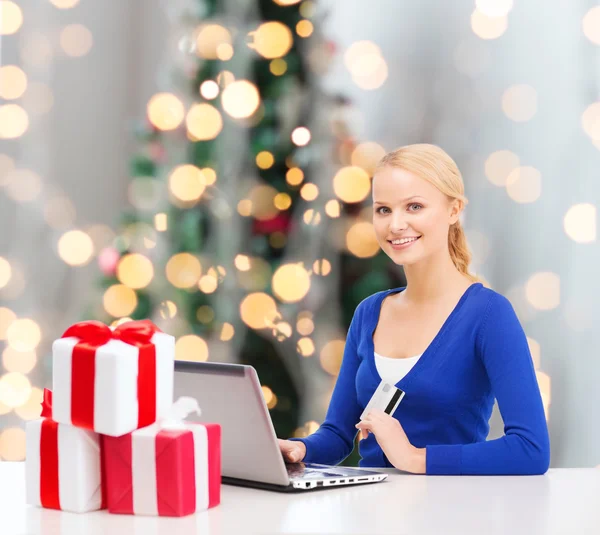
563 501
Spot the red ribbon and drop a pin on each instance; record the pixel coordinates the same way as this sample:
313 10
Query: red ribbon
94 334
49 494
47 404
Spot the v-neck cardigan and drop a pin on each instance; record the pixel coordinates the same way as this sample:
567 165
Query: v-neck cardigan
480 354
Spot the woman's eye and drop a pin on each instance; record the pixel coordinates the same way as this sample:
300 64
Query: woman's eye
416 204
381 208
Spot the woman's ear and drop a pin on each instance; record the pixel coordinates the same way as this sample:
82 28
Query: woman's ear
456 208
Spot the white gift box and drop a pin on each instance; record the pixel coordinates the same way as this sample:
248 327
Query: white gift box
97 387
63 467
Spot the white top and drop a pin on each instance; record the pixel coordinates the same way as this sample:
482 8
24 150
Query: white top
562 501
391 369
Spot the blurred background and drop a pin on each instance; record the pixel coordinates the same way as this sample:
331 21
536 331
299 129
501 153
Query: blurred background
207 164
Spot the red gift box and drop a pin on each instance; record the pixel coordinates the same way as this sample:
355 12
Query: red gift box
164 471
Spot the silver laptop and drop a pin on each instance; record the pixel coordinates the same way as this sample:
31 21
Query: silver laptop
231 395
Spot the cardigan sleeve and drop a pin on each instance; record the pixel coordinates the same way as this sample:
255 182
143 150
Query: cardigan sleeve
334 440
525 447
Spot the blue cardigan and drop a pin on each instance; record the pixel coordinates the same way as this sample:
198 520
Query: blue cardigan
481 352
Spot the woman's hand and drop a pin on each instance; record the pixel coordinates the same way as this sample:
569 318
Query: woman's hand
393 441
293 451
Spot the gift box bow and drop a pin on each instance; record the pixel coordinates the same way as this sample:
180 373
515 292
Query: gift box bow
94 334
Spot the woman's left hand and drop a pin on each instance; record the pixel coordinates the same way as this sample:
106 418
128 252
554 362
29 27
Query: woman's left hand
393 441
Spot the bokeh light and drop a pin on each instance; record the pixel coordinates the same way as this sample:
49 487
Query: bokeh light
227 332
494 8
301 136
191 348
278 66
333 208
291 282
160 222
536 352
59 212
311 217
7 316
264 159
352 184
119 300
11 17
209 38
294 176
23 334
271 40
224 51
282 201
322 267
488 27
242 262
75 247
165 111
208 284
519 102
258 310
76 40
366 64
14 121
309 192
304 28
591 25
305 347
18 361
524 184
15 389
5 272
331 356
187 183
262 198
23 185
183 270
543 290
135 270
367 155
579 223
240 99
590 121
32 408
167 309
209 89
204 122
305 325
361 240
13 82
499 165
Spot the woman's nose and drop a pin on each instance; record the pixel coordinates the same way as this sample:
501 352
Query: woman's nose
398 224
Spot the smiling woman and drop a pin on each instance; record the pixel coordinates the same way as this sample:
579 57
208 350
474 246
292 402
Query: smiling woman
470 347
418 195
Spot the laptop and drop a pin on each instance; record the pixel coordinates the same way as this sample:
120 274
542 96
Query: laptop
231 395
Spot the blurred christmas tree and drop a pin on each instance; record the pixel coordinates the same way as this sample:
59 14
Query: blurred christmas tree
238 241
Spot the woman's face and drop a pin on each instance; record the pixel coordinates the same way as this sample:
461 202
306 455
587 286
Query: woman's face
406 207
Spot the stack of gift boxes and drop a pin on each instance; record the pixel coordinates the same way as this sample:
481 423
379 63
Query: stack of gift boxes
110 435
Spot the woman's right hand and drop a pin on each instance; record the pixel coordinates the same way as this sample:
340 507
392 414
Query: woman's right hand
293 451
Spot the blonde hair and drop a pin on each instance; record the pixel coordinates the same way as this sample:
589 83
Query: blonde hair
433 164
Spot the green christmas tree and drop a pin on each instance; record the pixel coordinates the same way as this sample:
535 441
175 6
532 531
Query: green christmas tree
227 245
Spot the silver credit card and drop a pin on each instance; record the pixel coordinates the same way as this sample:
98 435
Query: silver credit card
386 398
